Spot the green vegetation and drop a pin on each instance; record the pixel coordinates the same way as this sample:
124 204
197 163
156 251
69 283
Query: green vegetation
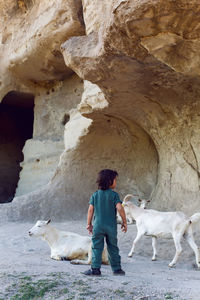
120 293
28 289
168 296
52 286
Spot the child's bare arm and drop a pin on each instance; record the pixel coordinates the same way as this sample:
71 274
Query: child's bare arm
121 211
89 218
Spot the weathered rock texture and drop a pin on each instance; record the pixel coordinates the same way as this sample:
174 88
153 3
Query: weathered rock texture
144 57
42 152
137 111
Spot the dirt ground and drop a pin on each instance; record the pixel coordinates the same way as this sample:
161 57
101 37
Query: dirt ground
28 272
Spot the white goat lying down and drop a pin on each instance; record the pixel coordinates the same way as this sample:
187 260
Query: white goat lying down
141 203
66 245
154 223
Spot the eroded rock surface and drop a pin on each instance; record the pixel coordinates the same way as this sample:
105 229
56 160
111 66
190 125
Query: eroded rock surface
137 110
145 60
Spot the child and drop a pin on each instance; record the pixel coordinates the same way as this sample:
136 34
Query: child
103 205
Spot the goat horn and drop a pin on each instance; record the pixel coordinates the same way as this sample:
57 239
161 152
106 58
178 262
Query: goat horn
128 197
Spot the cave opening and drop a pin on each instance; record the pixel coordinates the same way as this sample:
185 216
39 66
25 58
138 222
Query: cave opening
16 126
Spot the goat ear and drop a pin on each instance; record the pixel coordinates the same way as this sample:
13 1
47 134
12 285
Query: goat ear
48 221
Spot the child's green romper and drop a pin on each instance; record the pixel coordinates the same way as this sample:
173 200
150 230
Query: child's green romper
105 225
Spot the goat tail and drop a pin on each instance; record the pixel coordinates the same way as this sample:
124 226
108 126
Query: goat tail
195 218
128 197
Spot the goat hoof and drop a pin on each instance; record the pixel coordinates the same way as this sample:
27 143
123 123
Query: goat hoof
130 255
55 258
171 265
154 259
63 258
74 262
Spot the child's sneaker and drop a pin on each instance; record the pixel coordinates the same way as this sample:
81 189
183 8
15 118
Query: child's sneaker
119 272
92 272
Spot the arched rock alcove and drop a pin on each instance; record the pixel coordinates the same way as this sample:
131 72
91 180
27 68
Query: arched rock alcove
109 142
144 57
16 126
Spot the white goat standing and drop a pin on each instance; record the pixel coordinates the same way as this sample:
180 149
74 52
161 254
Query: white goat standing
141 203
66 245
154 223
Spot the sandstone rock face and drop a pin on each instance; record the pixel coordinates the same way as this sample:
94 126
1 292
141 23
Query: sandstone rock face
145 56
42 152
133 104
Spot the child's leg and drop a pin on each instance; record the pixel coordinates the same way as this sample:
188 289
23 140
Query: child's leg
97 248
113 250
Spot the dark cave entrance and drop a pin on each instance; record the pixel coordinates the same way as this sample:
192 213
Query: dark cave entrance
16 126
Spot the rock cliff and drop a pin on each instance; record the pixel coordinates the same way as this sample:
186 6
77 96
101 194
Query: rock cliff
115 84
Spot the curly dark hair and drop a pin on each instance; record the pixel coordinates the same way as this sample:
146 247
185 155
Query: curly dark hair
105 178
